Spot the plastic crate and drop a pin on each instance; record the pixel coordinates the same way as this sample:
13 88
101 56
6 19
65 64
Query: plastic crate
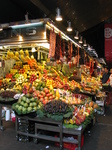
71 146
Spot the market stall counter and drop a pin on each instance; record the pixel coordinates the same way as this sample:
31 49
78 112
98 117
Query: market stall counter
50 125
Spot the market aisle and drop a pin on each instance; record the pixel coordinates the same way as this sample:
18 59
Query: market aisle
100 139
101 133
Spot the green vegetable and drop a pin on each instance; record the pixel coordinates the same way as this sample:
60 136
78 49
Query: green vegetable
34 104
25 104
22 103
20 108
27 100
35 108
31 104
24 98
24 110
29 109
32 99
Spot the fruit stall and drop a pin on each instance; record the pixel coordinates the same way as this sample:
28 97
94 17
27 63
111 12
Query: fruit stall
37 85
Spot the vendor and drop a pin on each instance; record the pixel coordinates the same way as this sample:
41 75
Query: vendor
110 79
106 75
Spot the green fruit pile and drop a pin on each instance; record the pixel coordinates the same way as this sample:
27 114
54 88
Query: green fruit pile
25 105
41 86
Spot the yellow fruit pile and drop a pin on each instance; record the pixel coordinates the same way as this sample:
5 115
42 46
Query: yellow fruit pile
13 71
26 67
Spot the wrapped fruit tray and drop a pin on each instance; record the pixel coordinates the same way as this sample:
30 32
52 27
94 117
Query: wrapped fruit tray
7 97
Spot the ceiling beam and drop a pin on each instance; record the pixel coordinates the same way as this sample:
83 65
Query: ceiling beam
39 4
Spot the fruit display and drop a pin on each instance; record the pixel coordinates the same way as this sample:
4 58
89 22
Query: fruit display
0 83
13 71
46 87
21 71
26 67
32 78
7 97
90 84
20 79
9 76
44 94
32 63
55 106
4 85
7 94
26 104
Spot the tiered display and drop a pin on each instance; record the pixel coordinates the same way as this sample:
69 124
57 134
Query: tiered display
46 89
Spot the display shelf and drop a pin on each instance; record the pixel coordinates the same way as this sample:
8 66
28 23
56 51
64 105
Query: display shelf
101 102
46 124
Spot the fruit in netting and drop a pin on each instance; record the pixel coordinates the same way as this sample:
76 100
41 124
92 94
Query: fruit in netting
8 53
16 58
32 57
11 54
27 58
22 57
21 52
17 54
26 53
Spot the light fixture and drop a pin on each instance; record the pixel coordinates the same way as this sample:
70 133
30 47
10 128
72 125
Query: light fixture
25 25
77 35
20 38
89 48
80 41
45 45
1 28
84 43
33 49
69 29
58 15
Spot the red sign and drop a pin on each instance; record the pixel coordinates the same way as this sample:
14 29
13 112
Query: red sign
108 43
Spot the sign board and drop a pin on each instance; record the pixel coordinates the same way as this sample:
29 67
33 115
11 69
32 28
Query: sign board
28 32
108 42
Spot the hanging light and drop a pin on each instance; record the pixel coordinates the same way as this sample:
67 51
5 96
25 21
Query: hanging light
58 15
77 35
33 49
84 43
1 28
20 38
69 29
80 41
89 48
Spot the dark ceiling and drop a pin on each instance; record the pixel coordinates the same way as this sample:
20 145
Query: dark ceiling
84 15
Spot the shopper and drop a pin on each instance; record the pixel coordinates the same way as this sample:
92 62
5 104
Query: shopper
110 78
102 71
106 75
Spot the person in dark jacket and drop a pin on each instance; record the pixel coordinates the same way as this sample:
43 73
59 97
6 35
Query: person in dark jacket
106 75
